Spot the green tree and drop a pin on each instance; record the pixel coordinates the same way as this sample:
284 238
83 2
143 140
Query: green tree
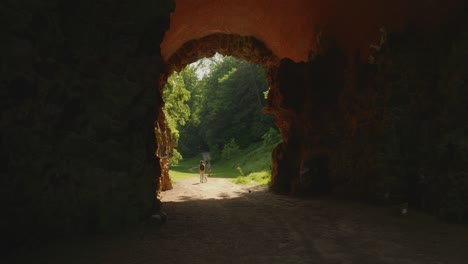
176 110
175 98
225 104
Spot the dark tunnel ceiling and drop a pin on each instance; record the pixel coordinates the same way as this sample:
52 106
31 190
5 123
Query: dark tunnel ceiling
288 28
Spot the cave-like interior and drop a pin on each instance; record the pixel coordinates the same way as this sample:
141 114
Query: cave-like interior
370 98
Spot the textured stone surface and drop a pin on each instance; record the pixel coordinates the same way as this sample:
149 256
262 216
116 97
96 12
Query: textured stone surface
390 132
289 28
77 115
164 145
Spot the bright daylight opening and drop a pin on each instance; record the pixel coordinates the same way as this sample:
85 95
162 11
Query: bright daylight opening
214 110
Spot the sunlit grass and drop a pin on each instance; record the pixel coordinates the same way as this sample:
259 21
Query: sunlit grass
250 167
184 170
255 178
178 175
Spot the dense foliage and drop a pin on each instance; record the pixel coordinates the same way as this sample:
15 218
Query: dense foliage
215 105
176 109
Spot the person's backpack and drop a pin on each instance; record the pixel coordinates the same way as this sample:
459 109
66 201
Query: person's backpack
202 166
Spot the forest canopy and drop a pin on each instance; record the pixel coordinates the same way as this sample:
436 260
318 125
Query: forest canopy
215 105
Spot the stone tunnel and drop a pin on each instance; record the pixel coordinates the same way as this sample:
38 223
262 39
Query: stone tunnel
370 98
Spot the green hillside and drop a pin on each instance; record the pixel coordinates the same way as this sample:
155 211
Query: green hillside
251 166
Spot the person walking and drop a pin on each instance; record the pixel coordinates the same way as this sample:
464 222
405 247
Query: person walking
208 168
201 170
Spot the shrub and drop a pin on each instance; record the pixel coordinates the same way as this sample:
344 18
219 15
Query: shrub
230 149
176 157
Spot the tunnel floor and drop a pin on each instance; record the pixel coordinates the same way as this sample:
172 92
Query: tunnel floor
220 222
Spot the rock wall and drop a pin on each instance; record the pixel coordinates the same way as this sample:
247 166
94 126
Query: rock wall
164 145
290 28
81 111
391 131
243 47
77 119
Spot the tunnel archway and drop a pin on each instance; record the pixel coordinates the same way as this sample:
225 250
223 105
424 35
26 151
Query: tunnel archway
245 48
321 71
288 95
79 83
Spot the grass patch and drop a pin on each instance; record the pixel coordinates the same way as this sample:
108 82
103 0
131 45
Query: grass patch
251 166
254 178
183 170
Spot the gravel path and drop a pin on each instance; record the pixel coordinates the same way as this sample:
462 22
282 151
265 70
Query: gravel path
220 222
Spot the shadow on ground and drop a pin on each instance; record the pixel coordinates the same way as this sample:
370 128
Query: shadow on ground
259 227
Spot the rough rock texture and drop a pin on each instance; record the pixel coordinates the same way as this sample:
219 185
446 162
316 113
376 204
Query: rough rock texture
290 28
243 47
164 145
78 106
391 132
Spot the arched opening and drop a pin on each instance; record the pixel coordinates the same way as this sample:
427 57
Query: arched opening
80 95
303 97
248 49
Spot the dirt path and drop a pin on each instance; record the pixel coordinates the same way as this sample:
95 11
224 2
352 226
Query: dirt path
220 222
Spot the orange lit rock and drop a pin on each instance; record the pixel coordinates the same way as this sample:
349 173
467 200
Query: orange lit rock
290 28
